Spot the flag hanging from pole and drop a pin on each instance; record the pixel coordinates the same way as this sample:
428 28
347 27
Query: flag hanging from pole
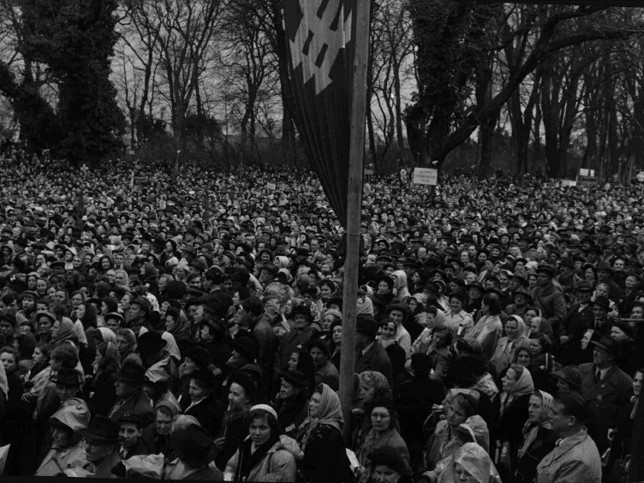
319 34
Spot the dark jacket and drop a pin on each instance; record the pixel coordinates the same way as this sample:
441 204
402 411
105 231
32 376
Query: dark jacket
138 403
541 446
375 359
325 457
510 425
209 412
607 400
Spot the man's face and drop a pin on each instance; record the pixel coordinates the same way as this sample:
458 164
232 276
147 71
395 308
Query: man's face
124 389
97 452
542 279
601 358
559 421
129 434
163 423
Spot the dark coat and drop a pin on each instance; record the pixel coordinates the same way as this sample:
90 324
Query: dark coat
509 427
375 359
209 412
541 446
578 320
325 457
138 403
607 401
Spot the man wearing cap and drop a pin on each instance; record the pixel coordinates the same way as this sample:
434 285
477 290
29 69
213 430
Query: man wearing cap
578 320
549 298
139 316
131 398
130 436
606 388
371 355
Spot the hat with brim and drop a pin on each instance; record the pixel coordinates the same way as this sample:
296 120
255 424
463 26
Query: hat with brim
132 372
193 445
546 269
46 313
570 375
150 343
102 430
295 378
366 325
115 315
609 345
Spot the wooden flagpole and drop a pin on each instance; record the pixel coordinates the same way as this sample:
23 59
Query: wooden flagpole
354 205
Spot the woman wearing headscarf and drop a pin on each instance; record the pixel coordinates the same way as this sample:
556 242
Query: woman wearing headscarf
538 437
126 344
320 437
471 463
400 285
515 398
62 331
515 330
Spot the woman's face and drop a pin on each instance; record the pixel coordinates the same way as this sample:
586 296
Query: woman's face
41 286
535 407
119 278
8 361
196 391
81 310
638 380
388 330
463 475
61 438
511 328
314 405
380 419
337 334
326 322
294 361
259 430
37 356
287 389
529 315
455 304
170 323
366 391
509 380
383 288
536 347
618 334
456 414
45 324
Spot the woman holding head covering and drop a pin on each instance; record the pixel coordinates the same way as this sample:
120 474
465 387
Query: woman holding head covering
66 440
515 336
538 437
400 285
471 464
320 437
515 399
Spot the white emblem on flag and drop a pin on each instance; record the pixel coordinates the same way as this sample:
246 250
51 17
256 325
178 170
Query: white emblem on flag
323 36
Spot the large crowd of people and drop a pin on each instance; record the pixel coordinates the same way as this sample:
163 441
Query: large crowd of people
188 325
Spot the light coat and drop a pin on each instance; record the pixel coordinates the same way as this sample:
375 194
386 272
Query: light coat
575 460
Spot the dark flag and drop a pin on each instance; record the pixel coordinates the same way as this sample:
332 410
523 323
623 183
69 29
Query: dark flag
589 3
320 33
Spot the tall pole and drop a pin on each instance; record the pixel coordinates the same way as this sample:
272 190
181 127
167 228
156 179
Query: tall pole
354 205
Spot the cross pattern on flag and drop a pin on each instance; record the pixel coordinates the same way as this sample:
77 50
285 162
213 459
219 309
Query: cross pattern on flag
320 36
